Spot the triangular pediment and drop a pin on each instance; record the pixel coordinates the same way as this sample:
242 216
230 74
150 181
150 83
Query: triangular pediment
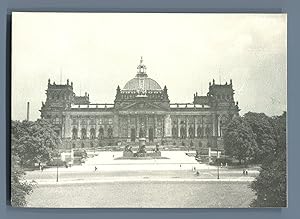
143 106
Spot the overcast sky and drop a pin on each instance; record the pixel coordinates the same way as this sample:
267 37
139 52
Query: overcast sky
185 52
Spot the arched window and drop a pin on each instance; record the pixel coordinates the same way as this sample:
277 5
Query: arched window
174 132
83 133
208 131
151 134
101 133
141 133
110 132
191 132
74 133
182 132
92 133
200 132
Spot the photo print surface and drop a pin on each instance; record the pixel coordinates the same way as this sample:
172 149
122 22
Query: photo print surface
148 110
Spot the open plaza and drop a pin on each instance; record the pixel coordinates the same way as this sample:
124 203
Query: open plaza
105 180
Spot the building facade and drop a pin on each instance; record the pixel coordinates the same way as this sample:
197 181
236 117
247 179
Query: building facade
141 109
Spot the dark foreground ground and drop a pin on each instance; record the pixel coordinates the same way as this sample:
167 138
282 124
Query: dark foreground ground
143 195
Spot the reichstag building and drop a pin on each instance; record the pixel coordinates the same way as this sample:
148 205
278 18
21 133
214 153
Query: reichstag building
141 109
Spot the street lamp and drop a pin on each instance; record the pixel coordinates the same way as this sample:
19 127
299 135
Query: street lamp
57 161
218 175
57 171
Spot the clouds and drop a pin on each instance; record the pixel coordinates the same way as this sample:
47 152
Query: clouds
183 51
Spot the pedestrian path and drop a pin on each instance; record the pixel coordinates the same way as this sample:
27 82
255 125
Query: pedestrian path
138 179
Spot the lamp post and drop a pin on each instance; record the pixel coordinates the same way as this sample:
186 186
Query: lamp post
57 162
218 175
57 172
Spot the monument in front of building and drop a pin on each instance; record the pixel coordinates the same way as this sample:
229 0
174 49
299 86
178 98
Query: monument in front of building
141 151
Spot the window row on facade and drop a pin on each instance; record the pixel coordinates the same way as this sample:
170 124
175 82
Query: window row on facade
92 133
191 132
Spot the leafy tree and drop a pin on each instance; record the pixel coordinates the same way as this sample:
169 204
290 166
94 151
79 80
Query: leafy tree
239 140
31 142
261 126
19 187
270 185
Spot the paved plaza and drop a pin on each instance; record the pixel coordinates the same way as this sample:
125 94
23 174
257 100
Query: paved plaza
171 182
180 166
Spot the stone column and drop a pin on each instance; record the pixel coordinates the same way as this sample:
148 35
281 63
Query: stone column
214 124
218 123
146 127
137 127
87 128
61 129
203 127
96 127
167 126
155 127
68 128
128 127
115 126
178 128
195 127
79 127
187 127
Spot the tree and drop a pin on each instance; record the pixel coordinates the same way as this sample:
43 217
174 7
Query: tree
19 187
31 142
261 126
239 140
270 185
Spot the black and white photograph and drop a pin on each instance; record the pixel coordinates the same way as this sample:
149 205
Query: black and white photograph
148 110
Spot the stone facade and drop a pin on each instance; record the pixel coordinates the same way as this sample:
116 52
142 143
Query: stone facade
141 109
